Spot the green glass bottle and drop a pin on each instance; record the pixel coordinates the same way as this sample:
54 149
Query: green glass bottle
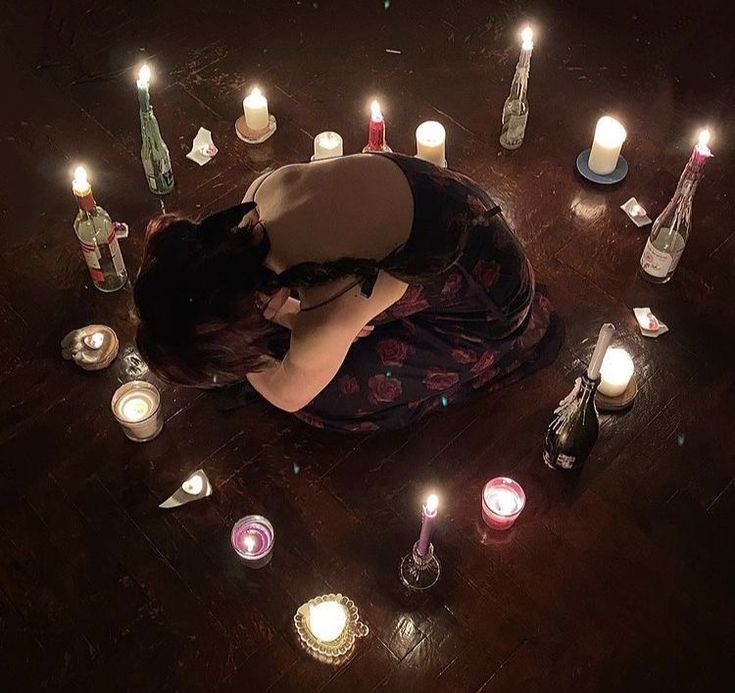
153 152
96 234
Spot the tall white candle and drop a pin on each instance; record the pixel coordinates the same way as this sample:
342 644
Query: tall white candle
430 142
616 372
609 137
255 106
327 145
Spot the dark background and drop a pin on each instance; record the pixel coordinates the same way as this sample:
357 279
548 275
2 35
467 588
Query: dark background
617 578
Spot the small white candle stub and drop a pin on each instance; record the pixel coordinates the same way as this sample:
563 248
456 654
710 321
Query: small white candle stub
195 487
80 184
636 213
609 137
430 142
255 106
648 323
203 149
327 145
616 371
327 620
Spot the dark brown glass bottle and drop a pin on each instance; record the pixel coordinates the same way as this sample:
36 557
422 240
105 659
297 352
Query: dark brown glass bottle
573 431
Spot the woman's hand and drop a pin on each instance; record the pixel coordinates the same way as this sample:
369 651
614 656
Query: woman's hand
279 307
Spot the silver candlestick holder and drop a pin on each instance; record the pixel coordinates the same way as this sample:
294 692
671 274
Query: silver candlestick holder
420 572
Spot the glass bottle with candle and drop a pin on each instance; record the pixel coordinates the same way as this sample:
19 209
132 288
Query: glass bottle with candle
96 233
153 152
670 231
574 428
515 109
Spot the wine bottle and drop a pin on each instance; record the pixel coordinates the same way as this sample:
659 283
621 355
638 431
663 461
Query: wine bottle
574 428
96 234
670 231
515 108
153 152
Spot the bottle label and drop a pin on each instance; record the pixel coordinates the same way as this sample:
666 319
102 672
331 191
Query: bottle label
515 127
92 258
167 174
565 461
656 262
117 259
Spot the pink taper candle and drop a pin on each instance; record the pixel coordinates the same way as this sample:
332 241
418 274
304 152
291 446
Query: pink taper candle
428 517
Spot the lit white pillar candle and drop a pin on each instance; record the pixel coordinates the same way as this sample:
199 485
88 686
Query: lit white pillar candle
255 106
430 142
327 145
609 137
616 372
327 620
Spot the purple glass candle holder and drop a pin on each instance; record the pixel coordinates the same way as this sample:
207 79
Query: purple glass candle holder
502 502
253 538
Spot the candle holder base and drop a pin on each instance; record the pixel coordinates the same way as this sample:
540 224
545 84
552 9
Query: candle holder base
254 136
443 164
583 166
367 149
420 572
623 401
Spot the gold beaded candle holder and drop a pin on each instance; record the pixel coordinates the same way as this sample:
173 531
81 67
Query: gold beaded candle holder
325 616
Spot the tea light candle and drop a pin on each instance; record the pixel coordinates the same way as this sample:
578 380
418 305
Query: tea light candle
637 211
94 340
327 145
193 485
253 539
430 142
616 371
428 517
609 137
502 502
137 408
255 106
327 620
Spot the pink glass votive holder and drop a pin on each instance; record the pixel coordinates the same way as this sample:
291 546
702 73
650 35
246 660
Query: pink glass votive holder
253 538
502 502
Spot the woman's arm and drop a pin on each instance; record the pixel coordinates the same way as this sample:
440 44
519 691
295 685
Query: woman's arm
320 340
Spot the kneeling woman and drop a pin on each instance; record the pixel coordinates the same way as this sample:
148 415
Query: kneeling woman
401 285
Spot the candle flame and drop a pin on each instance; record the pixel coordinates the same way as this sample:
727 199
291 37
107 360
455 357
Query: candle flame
704 137
527 36
432 503
256 92
249 544
375 112
80 176
144 75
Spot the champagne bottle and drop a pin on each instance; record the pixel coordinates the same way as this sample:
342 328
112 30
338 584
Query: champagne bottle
515 108
153 152
96 234
670 231
574 428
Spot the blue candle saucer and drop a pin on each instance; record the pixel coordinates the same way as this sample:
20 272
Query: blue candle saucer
621 170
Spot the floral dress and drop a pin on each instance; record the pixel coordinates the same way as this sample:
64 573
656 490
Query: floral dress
477 326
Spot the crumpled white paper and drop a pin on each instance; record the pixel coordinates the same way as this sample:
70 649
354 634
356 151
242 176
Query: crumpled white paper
650 325
203 149
631 206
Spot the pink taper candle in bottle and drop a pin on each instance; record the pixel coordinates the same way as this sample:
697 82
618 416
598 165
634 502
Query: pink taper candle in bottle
428 517
376 131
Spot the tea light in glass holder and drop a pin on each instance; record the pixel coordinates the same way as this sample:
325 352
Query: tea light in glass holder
327 145
253 539
502 502
137 408
327 620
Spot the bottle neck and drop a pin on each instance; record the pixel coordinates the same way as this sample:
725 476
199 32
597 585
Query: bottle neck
588 387
519 86
144 98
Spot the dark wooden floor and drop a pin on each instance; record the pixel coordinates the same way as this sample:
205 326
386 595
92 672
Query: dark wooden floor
617 579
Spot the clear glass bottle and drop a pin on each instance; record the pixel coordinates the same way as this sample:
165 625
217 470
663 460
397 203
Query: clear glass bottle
96 234
573 430
153 152
670 231
515 108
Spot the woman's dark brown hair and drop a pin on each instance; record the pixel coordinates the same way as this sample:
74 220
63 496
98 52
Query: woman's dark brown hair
196 293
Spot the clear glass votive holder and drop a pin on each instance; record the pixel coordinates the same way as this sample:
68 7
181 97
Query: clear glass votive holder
503 501
137 408
253 539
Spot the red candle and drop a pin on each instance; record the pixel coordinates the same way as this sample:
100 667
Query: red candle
502 502
376 131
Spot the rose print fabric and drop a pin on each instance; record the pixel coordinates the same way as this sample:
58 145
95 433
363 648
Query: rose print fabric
478 326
